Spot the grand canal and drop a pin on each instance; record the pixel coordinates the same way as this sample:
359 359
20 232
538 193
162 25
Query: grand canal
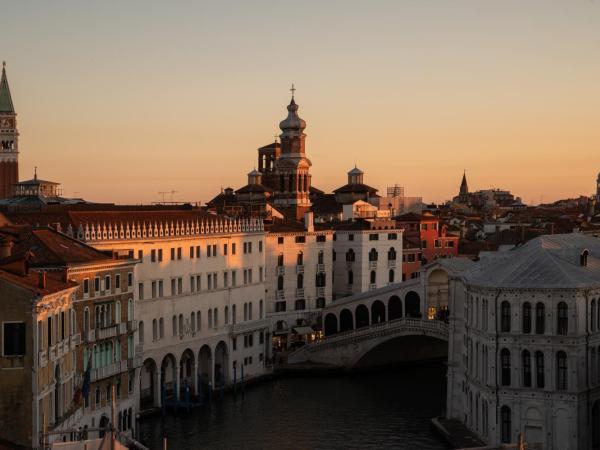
384 409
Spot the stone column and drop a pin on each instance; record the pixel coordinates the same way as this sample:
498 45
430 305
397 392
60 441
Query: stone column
177 381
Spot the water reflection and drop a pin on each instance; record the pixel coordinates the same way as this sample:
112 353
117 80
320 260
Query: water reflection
389 409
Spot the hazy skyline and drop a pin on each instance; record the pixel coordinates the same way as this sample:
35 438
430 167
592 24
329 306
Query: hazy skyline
118 101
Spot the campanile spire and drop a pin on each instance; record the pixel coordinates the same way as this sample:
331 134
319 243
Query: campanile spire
9 139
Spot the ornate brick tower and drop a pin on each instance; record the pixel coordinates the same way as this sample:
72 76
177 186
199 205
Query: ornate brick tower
9 140
292 167
463 194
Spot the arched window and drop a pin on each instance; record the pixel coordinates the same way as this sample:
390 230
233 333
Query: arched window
300 281
562 319
526 318
350 277
280 260
154 330
261 309
583 258
540 380
118 312
141 332
540 318
593 316
373 255
174 325
250 311
161 328
506 432
280 283
373 278
199 320
526 357
216 317
505 365
321 279
321 258
561 371
505 317
391 276
86 320
130 309
392 254
180 327
193 321
210 319
300 258
350 256
245 311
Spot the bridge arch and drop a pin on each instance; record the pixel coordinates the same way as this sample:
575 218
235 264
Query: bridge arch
412 303
394 307
346 320
377 312
362 316
331 324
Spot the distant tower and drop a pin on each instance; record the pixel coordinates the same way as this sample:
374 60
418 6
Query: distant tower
9 140
463 194
355 176
292 167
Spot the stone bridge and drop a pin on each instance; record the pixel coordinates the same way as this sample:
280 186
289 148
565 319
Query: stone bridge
400 322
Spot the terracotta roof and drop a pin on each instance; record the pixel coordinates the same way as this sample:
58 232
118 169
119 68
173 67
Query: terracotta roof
254 188
408 217
326 204
31 282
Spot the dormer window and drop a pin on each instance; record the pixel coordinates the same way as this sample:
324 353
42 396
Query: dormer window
583 258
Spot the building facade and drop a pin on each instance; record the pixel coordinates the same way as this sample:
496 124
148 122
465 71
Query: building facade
524 352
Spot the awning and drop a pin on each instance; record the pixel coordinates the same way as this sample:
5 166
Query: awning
303 330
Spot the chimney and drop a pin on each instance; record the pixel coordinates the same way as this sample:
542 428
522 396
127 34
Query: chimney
6 246
42 280
309 221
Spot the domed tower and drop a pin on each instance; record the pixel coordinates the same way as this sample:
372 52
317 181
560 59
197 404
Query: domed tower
355 176
292 167
9 140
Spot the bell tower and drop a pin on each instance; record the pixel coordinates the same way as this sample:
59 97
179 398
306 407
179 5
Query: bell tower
9 140
292 168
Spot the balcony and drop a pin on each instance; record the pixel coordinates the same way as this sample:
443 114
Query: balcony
109 371
280 295
320 268
300 293
391 263
280 270
52 353
321 292
43 358
122 327
300 268
349 264
132 325
372 265
249 325
75 341
372 286
106 333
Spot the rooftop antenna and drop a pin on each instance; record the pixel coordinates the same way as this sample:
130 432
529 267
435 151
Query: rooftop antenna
293 90
35 172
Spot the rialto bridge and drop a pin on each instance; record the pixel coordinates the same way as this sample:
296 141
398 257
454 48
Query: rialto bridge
401 322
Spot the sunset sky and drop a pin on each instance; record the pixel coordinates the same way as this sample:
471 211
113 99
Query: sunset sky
121 100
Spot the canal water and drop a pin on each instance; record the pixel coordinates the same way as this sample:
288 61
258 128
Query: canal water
387 409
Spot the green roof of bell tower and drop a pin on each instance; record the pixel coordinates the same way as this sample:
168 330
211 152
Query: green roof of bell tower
6 104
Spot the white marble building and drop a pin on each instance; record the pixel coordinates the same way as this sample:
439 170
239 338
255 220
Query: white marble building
368 255
299 275
200 295
524 351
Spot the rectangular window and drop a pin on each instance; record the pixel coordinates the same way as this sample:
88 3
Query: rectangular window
214 249
424 227
130 279
160 288
423 244
215 284
160 254
173 286
250 276
117 281
249 247
107 282
192 284
172 254
373 237
197 251
233 278
392 236
437 243
280 240
209 276
225 279
198 283
260 274
86 286
208 251
179 285
153 255
321 238
225 249
141 291
13 337
179 253
245 248
153 293
191 252
234 343
141 255
245 276
260 246
300 239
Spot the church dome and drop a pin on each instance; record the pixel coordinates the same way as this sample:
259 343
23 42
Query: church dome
292 122
356 171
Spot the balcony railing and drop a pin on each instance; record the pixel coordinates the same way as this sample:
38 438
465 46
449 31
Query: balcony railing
132 325
372 286
280 270
89 335
300 293
372 265
106 333
52 353
122 327
300 268
75 341
391 263
280 295
320 292
320 268
43 358
349 264
108 371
